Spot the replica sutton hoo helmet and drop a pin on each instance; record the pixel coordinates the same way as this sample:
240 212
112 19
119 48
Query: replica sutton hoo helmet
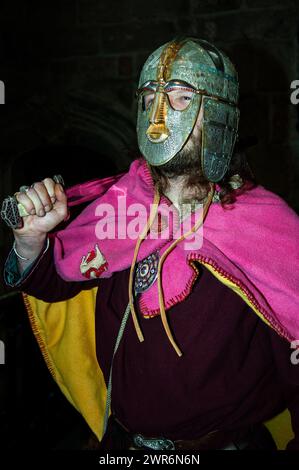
176 80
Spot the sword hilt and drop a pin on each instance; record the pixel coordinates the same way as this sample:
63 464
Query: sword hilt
12 211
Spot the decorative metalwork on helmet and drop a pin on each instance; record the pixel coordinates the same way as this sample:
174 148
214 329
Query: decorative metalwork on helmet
176 80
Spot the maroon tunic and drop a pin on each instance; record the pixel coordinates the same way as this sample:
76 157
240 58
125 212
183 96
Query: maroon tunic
234 371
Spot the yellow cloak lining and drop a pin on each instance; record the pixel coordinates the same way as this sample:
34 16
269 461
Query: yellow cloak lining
65 332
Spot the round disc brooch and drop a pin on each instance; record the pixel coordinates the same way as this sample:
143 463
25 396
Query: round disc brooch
146 273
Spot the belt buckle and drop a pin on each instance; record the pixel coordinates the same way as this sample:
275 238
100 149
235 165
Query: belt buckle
159 443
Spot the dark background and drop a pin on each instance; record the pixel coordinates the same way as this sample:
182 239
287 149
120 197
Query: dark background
70 69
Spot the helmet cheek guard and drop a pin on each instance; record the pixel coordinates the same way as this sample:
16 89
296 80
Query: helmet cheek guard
219 133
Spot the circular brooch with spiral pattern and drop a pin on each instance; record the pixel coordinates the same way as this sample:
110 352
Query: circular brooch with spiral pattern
146 273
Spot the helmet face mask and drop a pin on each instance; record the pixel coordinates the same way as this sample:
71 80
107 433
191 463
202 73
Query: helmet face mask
161 124
176 80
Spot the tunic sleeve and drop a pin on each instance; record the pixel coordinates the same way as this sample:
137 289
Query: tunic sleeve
41 279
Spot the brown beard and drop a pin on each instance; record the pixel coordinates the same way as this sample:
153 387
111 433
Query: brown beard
185 163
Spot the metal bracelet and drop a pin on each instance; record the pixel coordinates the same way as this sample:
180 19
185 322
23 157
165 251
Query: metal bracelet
23 257
18 254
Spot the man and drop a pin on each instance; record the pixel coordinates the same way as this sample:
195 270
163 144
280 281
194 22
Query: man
227 300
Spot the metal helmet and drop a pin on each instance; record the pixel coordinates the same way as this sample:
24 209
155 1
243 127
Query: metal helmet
176 80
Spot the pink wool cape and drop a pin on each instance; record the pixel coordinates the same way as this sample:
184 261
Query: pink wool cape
252 246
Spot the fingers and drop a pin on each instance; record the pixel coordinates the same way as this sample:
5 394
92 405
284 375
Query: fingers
62 199
39 198
59 193
32 200
50 186
26 202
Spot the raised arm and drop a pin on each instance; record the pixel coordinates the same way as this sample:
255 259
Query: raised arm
46 202
30 265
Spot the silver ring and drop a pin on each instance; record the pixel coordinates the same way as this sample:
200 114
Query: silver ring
58 179
24 189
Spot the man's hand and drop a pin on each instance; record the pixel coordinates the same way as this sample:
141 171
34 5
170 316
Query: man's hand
46 202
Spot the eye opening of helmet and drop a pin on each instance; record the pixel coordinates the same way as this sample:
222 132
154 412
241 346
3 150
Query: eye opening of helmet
178 92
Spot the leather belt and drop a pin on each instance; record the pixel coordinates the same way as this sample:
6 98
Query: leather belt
218 439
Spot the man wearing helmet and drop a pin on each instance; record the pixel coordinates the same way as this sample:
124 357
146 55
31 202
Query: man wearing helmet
228 306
